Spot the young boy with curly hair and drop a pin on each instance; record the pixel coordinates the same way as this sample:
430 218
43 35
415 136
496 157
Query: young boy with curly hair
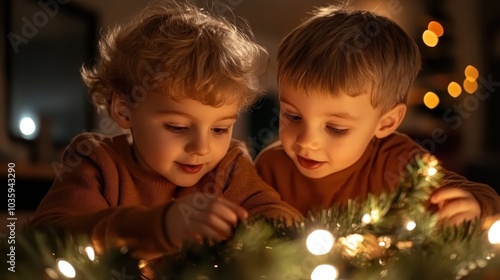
177 78
344 77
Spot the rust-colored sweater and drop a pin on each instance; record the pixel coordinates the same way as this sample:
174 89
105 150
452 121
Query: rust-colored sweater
378 170
103 192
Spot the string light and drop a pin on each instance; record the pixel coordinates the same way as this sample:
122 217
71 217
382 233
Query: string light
471 73
430 38
324 272
366 219
351 243
454 89
90 252
494 233
66 268
411 225
470 86
320 242
436 27
431 100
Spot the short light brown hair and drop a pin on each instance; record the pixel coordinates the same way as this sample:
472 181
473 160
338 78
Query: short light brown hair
181 50
342 51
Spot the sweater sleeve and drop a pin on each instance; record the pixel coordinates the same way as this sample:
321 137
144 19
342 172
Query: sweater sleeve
487 197
76 203
246 188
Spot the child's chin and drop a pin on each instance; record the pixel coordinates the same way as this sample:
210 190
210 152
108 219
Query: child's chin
313 174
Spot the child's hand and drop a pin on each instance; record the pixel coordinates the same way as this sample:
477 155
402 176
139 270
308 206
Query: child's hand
197 217
455 205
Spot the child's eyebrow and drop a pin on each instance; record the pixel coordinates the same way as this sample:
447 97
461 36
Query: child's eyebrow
174 112
344 115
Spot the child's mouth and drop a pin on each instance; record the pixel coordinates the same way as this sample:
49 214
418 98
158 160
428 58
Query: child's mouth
309 164
191 169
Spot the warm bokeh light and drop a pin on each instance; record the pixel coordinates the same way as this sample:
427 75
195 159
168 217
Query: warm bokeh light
320 242
324 272
431 171
471 73
90 252
430 38
431 100
411 225
470 86
454 89
494 233
366 219
66 269
27 126
436 27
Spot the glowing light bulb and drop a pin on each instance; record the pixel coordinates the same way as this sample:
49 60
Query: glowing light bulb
431 100
430 38
494 233
411 225
27 126
366 219
470 86
471 73
324 272
431 171
454 89
90 252
66 269
436 27
320 242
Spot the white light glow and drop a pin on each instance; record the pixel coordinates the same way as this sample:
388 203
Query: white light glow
90 252
366 219
494 233
411 225
320 242
431 171
66 269
324 272
27 126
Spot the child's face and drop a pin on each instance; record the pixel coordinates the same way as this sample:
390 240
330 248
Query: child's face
323 135
181 141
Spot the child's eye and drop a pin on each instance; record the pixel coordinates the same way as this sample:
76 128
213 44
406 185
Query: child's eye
219 131
293 118
337 131
175 129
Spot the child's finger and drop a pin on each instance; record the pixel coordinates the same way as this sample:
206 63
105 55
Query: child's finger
459 207
444 194
241 212
217 223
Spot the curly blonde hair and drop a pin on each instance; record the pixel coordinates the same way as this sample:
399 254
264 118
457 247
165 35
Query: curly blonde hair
180 50
345 51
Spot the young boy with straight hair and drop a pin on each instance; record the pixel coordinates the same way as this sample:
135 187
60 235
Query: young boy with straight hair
344 76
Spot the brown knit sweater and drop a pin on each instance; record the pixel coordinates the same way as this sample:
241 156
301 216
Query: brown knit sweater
101 191
378 170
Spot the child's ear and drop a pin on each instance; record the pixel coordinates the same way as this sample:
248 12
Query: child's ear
390 121
119 111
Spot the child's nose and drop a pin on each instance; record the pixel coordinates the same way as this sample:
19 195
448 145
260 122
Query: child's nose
307 139
200 145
